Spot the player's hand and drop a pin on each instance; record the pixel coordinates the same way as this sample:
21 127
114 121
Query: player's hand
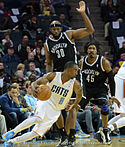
82 7
35 89
70 107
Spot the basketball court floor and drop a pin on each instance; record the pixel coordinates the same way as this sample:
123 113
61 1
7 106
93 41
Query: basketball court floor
117 141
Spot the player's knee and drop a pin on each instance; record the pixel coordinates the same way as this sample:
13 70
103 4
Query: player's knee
104 109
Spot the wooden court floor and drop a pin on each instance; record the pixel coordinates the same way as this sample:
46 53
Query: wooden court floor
118 141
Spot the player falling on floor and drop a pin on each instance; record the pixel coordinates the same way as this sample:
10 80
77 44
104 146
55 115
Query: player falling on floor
47 112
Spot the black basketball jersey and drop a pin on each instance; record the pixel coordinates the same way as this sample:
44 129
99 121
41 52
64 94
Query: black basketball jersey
61 51
94 77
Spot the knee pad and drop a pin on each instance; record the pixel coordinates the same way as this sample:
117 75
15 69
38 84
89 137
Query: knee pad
104 109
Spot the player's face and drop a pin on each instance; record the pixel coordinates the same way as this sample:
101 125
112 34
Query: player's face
56 31
73 71
92 51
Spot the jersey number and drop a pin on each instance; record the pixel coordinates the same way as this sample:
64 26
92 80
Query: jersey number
61 100
60 53
90 78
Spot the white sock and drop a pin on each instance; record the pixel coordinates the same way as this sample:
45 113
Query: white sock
111 127
121 122
24 137
26 124
113 120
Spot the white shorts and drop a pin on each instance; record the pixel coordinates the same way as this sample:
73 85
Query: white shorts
48 116
120 94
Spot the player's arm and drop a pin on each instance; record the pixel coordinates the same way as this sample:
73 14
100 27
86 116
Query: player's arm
108 69
82 32
79 92
43 80
80 63
49 62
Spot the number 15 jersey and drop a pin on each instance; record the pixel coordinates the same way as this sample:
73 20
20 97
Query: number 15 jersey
61 51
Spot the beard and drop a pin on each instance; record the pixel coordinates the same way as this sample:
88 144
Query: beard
56 37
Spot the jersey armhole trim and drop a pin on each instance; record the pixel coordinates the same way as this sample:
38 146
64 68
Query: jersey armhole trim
47 46
101 63
68 38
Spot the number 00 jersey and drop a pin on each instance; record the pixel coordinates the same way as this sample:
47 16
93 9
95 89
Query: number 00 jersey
61 51
94 77
61 93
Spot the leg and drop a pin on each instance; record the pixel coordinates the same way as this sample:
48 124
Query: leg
3 127
25 124
24 137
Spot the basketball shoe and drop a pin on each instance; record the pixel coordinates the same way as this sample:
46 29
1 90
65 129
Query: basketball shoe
71 141
105 132
8 144
8 135
63 142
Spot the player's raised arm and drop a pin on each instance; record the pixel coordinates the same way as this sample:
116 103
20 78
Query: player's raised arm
82 32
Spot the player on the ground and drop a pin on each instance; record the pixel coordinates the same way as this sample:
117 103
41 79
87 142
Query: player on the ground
47 112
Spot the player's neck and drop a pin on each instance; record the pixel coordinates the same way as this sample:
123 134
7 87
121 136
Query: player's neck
64 78
91 60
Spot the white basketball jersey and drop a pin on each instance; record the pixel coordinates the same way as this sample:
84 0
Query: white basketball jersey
121 72
61 93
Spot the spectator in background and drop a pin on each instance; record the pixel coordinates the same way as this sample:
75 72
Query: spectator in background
30 99
121 8
10 104
46 8
20 77
31 59
21 66
121 60
22 47
2 7
33 70
115 70
4 79
63 20
122 49
10 61
40 57
31 8
6 42
32 26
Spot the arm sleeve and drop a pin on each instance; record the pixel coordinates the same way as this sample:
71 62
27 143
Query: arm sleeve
111 83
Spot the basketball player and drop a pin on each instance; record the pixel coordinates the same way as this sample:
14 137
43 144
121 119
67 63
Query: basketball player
47 112
119 120
95 70
59 49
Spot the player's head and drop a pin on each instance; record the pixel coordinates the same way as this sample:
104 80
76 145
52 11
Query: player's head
55 29
71 68
91 48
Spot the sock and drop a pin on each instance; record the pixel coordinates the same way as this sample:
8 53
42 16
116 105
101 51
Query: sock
72 133
111 127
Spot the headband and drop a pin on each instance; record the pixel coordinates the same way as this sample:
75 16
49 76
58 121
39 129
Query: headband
55 25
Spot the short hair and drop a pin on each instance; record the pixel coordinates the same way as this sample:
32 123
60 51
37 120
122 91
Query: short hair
69 64
86 46
11 87
19 66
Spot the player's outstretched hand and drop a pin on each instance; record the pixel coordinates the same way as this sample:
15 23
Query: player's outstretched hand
81 8
35 87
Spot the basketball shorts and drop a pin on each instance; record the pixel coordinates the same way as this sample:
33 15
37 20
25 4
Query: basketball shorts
48 116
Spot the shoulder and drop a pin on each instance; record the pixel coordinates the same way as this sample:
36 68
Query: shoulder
106 65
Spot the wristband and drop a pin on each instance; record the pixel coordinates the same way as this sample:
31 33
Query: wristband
21 109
